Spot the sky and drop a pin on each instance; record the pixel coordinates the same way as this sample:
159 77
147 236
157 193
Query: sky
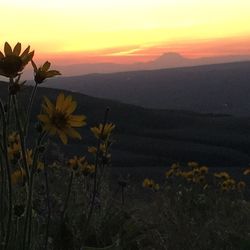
74 31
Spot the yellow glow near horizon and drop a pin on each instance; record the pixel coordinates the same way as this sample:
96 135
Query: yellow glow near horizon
57 26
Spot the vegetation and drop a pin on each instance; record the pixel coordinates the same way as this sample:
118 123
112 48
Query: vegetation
49 201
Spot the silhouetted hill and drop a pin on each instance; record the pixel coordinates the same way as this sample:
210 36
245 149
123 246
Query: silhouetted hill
147 137
219 88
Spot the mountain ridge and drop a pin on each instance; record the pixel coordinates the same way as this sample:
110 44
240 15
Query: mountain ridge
217 88
166 60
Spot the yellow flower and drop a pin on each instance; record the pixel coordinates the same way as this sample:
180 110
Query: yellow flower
228 184
13 137
203 170
223 175
187 175
169 173
29 159
190 175
148 183
93 150
87 169
43 72
175 166
196 171
76 162
14 150
103 133
193 164
40 166
247 171
12 62
58 118
241 185
18 176
178 173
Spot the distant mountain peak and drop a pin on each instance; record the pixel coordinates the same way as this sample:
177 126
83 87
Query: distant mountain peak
171 57
171 54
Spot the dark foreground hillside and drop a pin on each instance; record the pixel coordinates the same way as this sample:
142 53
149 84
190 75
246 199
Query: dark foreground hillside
146 137
219 88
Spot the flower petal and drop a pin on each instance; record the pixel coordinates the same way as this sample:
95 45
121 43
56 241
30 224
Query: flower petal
46 66
77 120
52 73
49 104
43 118
17 49
34 65
27 58
73 133
66 103
63 137
71 108
7 49
25 52
60 102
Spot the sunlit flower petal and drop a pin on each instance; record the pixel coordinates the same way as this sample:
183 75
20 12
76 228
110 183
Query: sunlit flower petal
7 49
17 49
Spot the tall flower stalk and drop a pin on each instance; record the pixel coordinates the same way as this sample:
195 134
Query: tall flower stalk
5 153
15 163
99 133
19 165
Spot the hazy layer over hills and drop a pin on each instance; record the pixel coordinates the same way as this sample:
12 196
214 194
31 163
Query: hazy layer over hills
219 88
167 60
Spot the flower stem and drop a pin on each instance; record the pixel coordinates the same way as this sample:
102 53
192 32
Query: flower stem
28 214
68 195
49 208
2 210
95 173
31 101
22 138
5 147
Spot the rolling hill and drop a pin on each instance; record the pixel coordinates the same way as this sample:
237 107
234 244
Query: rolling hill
149 137
218 88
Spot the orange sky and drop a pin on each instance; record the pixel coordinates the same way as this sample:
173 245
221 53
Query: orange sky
76 31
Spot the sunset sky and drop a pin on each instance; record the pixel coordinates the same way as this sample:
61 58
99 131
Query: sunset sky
73 31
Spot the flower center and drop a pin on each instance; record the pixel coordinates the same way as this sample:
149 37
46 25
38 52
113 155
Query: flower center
59 120
11 65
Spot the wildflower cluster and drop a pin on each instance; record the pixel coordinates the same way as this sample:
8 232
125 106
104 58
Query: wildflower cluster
21 164
198 174
151 184
246 171
195 174
81 166
228 183
103 133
